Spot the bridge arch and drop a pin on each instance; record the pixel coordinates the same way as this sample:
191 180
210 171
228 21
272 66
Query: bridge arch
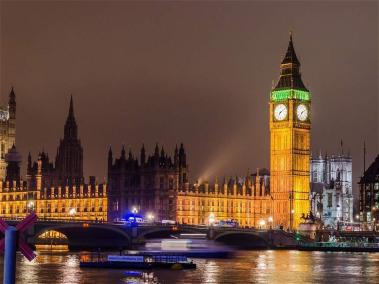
51 240
247 240
88 235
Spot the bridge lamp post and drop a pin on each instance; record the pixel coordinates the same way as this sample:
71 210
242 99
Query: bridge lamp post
72 213
291 219
262 223
134 212
150 217
270 221
211 219
30 206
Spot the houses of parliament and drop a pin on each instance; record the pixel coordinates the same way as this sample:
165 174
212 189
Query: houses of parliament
158 183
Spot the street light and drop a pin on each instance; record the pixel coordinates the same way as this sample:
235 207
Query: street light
150 217
30 205
270 220
72 212
134 210
291 218
262 223
211 219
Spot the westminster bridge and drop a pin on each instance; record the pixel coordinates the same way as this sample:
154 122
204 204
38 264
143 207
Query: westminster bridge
93 235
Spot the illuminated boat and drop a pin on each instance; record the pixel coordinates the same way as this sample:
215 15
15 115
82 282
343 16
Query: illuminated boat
138 262
187 245
340 246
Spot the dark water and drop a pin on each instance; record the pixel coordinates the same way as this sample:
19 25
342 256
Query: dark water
248 267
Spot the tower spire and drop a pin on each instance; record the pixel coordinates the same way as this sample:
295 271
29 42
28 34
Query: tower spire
290 77
70 128
71 110
290 57
12 104
364 157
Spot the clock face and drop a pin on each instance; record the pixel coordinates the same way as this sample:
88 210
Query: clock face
302 112
280 112
4 115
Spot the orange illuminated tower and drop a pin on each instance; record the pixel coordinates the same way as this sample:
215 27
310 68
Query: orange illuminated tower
290 125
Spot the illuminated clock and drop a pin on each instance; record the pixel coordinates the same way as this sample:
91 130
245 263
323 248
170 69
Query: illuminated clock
4 115
302 112
280 112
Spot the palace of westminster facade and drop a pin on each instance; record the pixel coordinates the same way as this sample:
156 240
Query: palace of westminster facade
159 183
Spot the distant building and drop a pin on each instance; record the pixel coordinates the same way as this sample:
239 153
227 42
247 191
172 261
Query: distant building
149 184
53 191
331 188
369 193
7 130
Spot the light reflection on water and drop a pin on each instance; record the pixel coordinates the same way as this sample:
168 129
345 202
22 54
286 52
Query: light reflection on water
247 267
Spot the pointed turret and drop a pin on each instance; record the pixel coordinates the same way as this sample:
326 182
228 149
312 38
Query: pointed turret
290 77
12 104
182 157
290 57
123 154
156 150
71 110
130 155
176 156
70 128
29 168
162 153
143 155
110 157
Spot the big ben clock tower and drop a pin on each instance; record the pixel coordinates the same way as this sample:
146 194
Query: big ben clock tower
290 125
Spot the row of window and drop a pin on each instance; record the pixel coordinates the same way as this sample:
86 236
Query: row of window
48 210
220 209
229 203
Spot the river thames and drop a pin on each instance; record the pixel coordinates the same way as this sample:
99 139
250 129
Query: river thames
247 267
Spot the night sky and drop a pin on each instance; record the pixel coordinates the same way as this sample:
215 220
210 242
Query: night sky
197 73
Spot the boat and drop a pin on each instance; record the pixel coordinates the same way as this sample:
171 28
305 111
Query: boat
192 248
138 261
340 246
205 253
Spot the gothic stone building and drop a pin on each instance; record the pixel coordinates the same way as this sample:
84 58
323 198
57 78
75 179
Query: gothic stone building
149 184
246 200
331 188
7 130
53 190
159 185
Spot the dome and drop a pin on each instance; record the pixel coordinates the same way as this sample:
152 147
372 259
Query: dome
13 155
